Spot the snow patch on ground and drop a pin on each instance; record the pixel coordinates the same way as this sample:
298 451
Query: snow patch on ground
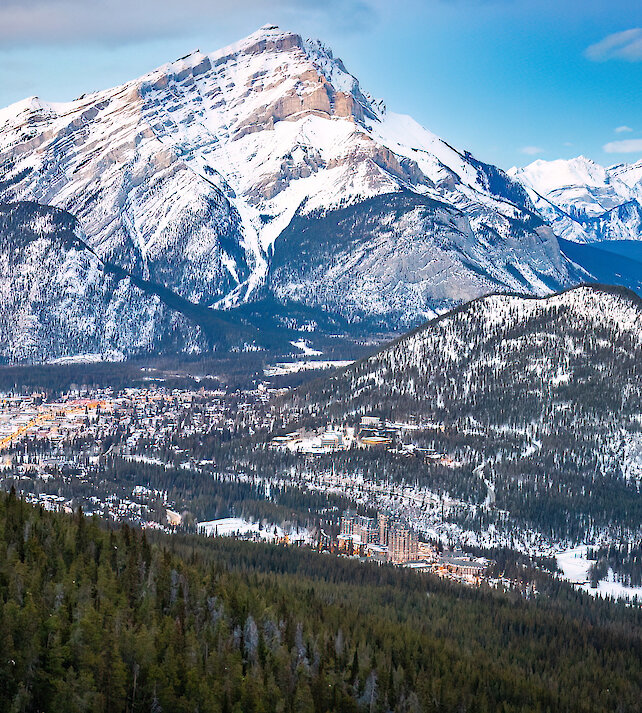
89 358
303 345
238 527
296 366
575 569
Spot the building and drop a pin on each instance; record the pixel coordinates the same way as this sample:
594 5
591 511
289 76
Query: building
377 553
349 543
402 543
370 421
348 520
426 551
367 529
374 441
331 440
382 521
359 527
382 537
464 566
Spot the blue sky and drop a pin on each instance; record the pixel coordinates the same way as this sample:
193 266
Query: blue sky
509 80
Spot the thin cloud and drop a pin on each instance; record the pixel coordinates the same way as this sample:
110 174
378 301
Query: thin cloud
626 45
531 150
626 146
117 21
623 129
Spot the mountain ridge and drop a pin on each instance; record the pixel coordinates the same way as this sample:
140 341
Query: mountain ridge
584 201
615 290
542 393
194 175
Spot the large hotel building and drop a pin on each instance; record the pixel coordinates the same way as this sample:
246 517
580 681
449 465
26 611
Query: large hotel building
390 539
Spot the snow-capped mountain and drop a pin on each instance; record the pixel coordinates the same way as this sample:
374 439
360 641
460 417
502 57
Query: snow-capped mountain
265 168
585 202
629 173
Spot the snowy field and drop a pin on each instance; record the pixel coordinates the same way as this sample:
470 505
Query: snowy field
238 527
303 345
110 356
303 365
575 567
228 526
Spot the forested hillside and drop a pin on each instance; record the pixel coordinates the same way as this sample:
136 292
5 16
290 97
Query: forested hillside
93 619
546 394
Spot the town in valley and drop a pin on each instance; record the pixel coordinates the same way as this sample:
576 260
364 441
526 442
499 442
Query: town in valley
62 453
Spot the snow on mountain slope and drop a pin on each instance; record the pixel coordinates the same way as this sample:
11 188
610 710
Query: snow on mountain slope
550 176
194 175
402 257
545 392
136 202
629 173
57 300
584 201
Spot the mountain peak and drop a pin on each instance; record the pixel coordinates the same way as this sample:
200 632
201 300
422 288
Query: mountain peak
629 173
268 38
546 176
252 170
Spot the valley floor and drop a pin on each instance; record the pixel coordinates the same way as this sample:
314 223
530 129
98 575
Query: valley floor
124 454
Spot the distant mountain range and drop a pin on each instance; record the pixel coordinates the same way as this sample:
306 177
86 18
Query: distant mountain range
585 202
595 212
260 178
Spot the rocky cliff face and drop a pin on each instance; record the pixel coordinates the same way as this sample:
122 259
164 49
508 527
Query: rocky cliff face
264 167
399 258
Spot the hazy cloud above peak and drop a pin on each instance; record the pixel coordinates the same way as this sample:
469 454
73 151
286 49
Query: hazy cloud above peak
118 21
531 150
625 146
626 45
